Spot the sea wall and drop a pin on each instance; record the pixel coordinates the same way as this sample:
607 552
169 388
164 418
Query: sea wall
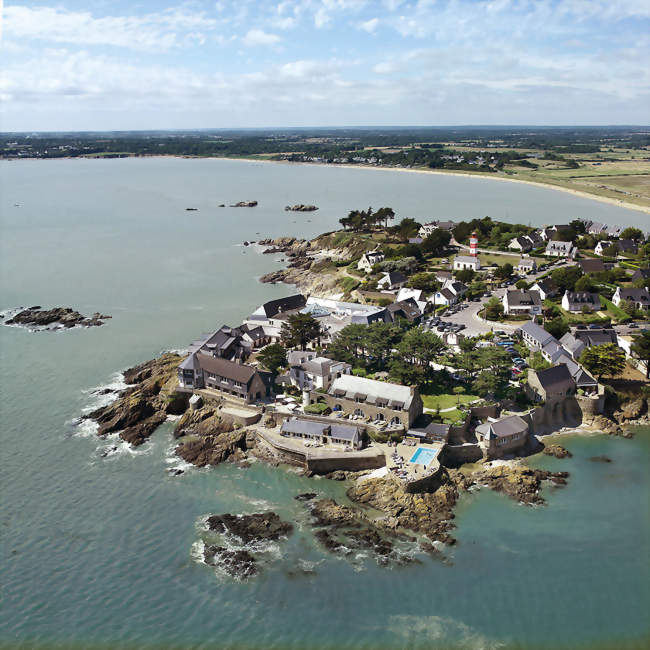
429 483
351 462
456 455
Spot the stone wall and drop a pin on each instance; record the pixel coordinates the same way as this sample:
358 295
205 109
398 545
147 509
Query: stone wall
456 455
429 483
483 412
350 462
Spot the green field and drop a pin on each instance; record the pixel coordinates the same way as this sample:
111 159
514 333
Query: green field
445 400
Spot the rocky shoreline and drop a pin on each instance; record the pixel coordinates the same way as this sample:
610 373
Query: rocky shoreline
39 319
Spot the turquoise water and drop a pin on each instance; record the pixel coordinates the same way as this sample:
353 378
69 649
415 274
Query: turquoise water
423 456
100 551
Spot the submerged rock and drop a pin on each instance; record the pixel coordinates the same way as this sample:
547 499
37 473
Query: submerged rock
600 459
238 563
65 317
251 528
306 496
558 451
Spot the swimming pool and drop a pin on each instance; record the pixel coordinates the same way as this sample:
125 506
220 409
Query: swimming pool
424 456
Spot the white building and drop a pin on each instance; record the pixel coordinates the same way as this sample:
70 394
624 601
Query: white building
462 262
310 372
560 249
527 265
601 246
520 301
392 280
368 260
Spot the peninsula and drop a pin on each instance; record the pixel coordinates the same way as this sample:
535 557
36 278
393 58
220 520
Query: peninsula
417 361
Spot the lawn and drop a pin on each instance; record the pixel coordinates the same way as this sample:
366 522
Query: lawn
445 400
615 312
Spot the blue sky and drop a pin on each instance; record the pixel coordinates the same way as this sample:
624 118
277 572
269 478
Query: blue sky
112 64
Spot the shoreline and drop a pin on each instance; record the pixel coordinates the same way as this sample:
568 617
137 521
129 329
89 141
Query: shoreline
620 203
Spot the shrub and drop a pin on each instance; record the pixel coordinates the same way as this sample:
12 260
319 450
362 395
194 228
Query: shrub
318 409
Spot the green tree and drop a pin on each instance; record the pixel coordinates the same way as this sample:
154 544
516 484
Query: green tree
504 271
585 283
273 357
493 309
407 228
632 233
436 242
521 284
420 347
406 373
425 281
538 362
299 330
641 349
486 384
556 327
628 307
565 279
603 360
464 275
610 251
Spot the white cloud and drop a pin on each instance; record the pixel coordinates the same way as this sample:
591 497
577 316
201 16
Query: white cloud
385 68
155 31
369 25
259 37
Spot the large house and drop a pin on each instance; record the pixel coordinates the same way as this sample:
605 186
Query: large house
593 266
323 432
502 437
640 298
425 430
641 274
534 336
368 260
576 343
601 246
308 371
200 370
392 280
521 301
578 301
374 401
407 310
552 384
522 244
462 262
232 343
560 249
545 288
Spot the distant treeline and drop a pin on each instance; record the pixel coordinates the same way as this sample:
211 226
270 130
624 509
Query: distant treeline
425 146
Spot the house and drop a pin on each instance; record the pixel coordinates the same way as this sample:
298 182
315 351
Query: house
200 370
613 231
583 380
502 437
373 400
535 239
641 274
573 346
368 260
552 384
392 280
552 351
310 372
406 309
601 246
425 430
462 262
457 288
626 341
428 228
534 336
627 247
545 288
415 294
521 301
444 296
523 244
443 276
592 266
595 228
527 265
560 249
232 343
640 298
579 301
323 432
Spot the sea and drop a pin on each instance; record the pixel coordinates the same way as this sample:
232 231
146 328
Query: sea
100 543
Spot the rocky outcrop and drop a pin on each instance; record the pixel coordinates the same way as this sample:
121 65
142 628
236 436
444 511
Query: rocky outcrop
558 451
300 207
633 410
213 449
244 204
56 318
428 512
144 405
518 482
604 424
241 531
289 245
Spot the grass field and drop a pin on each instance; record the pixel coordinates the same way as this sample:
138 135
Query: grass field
445 400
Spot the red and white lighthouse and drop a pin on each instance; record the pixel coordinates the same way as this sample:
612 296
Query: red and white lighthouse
473 244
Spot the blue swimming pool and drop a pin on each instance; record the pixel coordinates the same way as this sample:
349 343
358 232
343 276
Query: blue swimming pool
423 456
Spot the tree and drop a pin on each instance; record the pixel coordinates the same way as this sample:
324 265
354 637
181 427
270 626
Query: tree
521 284
486 383
420 347
436 242
565 279
300 330
585 283
641 349
579 226
504 272
603 360
385 214
628 307
464 275
632 233
273 357
538 362
406 373
493 309
425 281
407 228
610 251
556 327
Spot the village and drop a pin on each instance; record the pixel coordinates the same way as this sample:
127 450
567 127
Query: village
463 344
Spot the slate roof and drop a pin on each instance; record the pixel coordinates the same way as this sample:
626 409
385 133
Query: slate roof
318 429
577 299
502 428
465 259
557 378
635 295
521 297
229 369
592 266
394 277
407 308
564 246
535 331
351 385
274 307
572 345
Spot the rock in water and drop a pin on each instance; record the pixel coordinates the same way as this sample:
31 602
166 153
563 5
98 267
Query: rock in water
63 316
558 451
251 528
520 483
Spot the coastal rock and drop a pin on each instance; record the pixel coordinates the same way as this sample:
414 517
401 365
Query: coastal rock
600 459
605 424
558 451
238 563
62 316
518 482
213 449
428 512
306 496
261 526
144 405
300 207
244 204
634 410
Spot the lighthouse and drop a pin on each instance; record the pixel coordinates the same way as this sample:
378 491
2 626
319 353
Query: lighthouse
473 244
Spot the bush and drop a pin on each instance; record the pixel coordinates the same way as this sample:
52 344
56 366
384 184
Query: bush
318 409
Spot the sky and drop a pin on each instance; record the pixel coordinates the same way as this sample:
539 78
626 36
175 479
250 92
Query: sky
158 64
